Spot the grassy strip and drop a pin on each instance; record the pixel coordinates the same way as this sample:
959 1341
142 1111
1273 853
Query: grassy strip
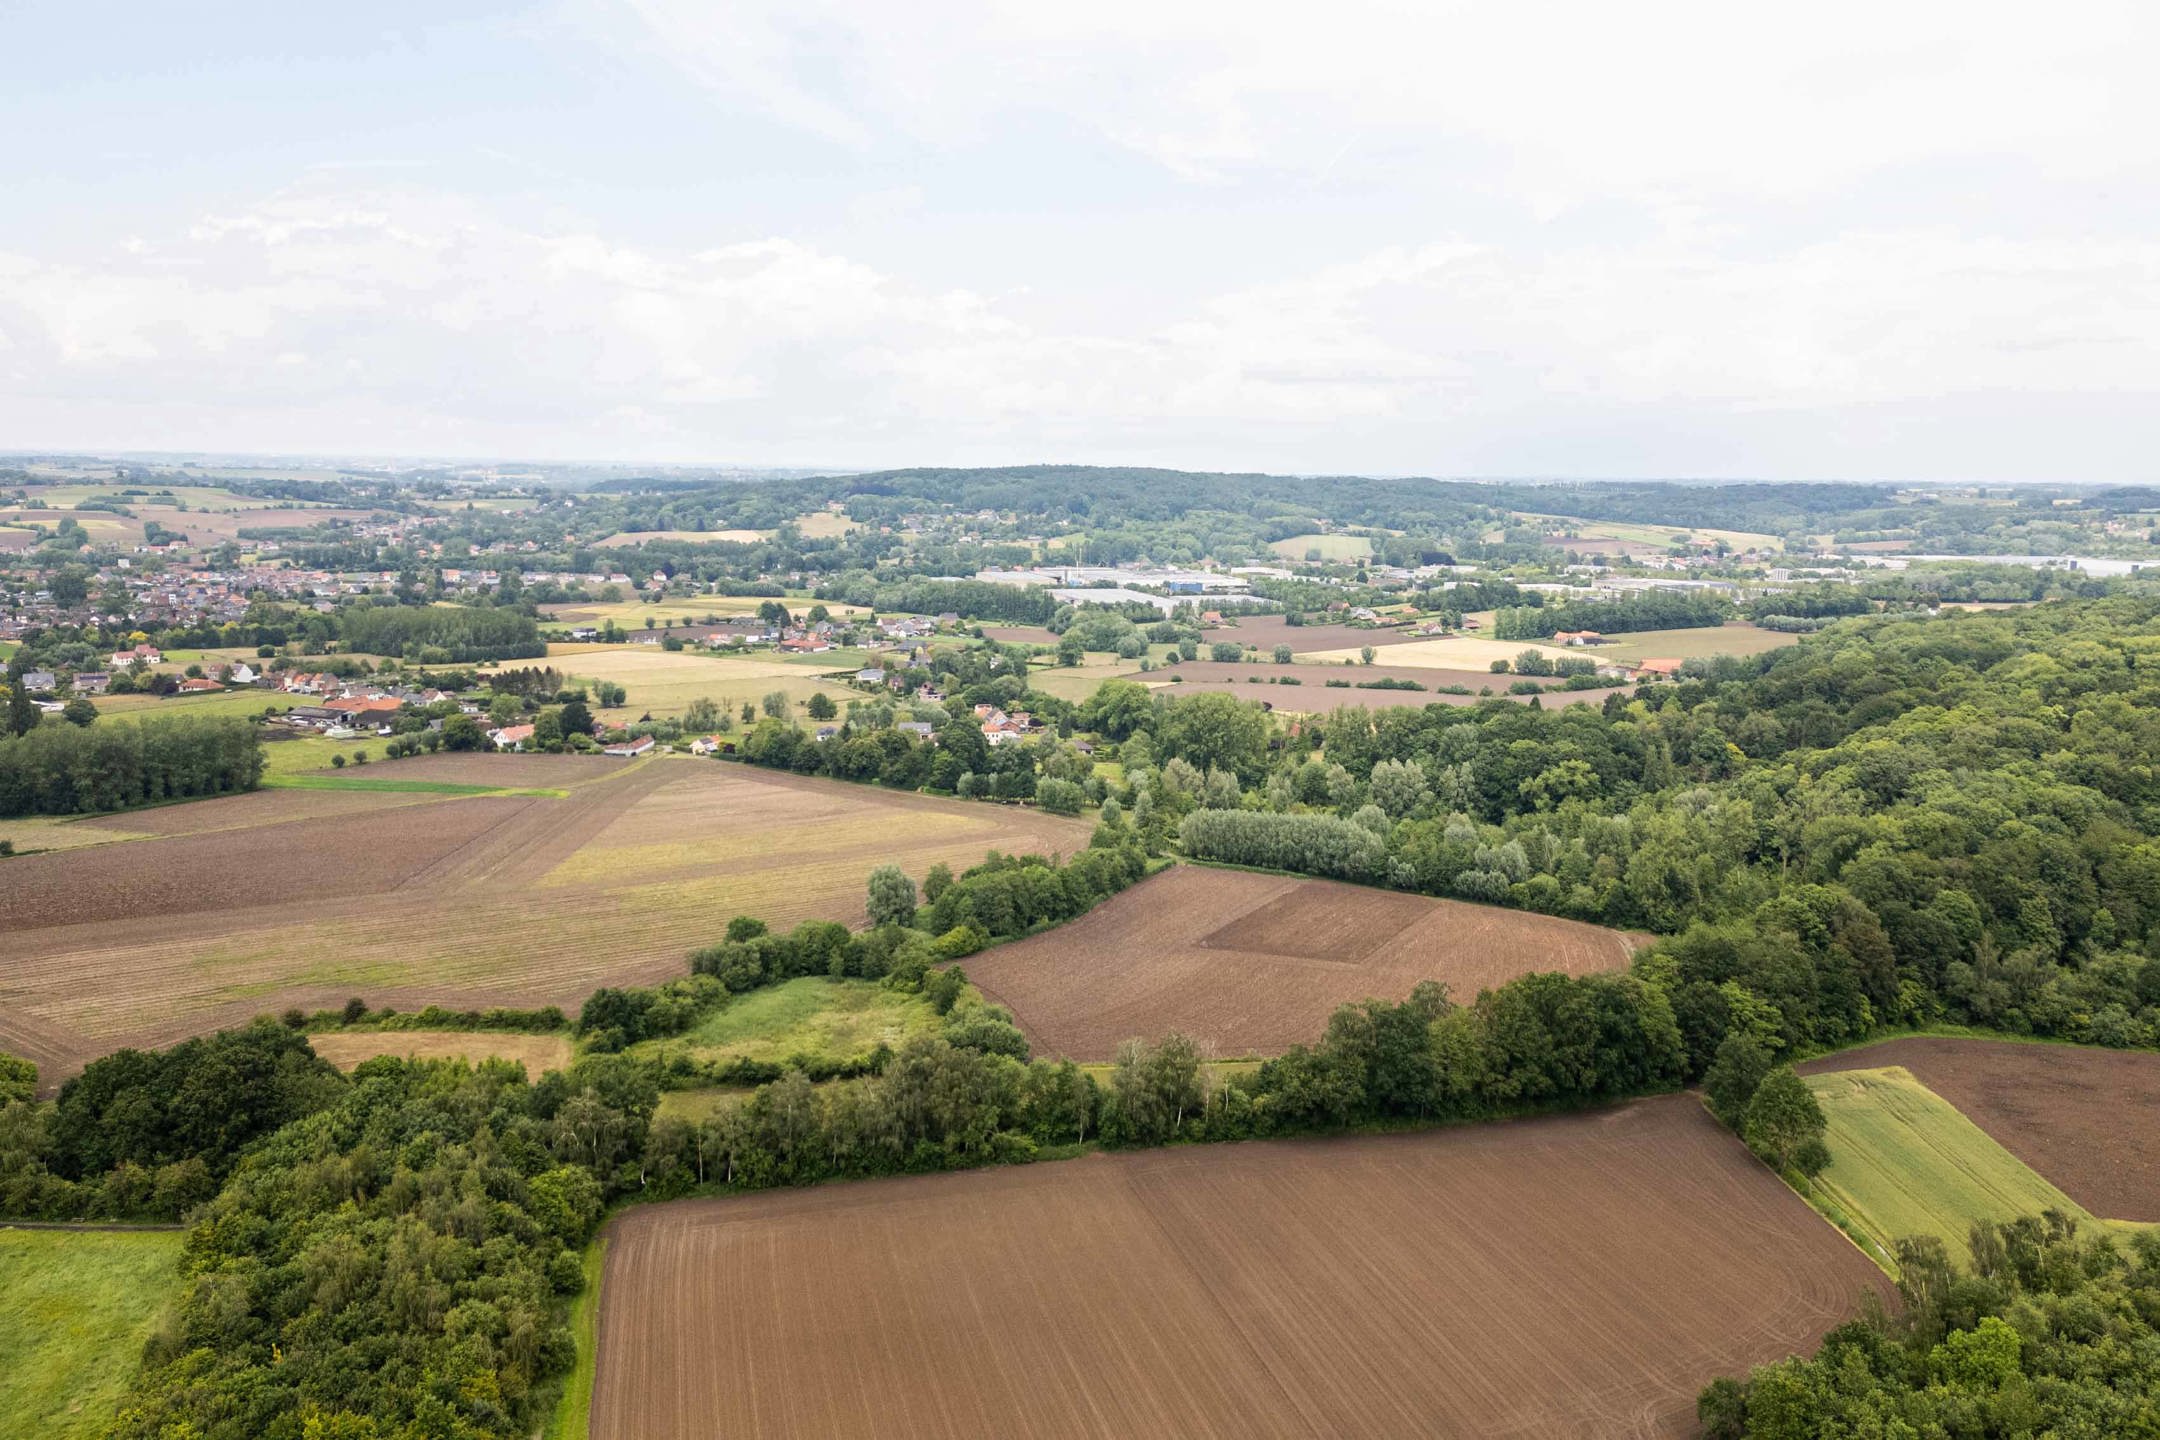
573 1412
412 787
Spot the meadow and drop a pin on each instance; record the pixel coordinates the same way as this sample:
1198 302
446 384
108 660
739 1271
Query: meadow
1340 548
662 683
831 1021
78 1305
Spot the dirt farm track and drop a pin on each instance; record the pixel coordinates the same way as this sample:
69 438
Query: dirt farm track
223 909
1251 964
1576 1276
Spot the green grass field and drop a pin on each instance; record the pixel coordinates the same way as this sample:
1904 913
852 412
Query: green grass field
834 1020
1330 547
1904 1161
1688 644
224 702
77 1306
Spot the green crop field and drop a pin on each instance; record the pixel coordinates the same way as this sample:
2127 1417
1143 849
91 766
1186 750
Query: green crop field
77 1306
833 1020
1905 1161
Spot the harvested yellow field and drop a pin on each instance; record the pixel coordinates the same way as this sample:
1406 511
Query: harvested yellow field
825 525
1453 652
664 682
306 897
537 1053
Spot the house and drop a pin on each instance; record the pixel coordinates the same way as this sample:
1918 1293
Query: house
920 729
37 680
827 732
872 675
199 687
512 737
148 654
805 644
1578 637
365 710
92 682
312 716
241 674
705 745
630 749
1661 666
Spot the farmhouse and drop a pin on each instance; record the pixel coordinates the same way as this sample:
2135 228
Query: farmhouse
1578 637
199 687
148 654
630 749
92 682
512 737
1660 666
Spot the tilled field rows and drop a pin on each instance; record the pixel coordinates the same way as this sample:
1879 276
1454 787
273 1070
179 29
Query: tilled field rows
469 902
1251 964
1577 1276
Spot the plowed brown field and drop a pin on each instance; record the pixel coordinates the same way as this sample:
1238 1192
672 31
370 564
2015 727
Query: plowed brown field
1252 964
1576 1276
2087 1120
466 902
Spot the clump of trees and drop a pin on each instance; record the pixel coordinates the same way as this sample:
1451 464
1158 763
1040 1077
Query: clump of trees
82 769
2048 1332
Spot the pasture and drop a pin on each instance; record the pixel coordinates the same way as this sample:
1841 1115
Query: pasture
2087 1120
1251 964
1738 638
78 1304
1339 548
1582 1275
222 909
834 1020
537 1053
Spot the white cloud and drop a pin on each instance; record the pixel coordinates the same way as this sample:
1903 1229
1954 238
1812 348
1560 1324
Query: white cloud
1565 101
406 320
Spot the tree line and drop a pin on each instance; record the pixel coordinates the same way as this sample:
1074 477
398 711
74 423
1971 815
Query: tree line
76 769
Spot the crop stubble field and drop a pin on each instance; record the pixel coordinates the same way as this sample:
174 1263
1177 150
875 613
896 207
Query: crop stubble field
2087 1120
1250 964
1582 1275
475 901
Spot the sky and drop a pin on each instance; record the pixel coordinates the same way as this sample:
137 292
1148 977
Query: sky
1913 242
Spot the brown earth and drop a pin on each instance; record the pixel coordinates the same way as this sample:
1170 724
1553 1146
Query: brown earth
1020 634
1251 964
1267 631
1315 677
255 808
464 902
1583 1275
537 1053
2087 1120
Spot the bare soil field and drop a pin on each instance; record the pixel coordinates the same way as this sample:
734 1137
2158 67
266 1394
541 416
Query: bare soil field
464 902
2087 1120
1268 631
1251 964
537 1053
1316 677
1576 1276
1020 634
246 812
